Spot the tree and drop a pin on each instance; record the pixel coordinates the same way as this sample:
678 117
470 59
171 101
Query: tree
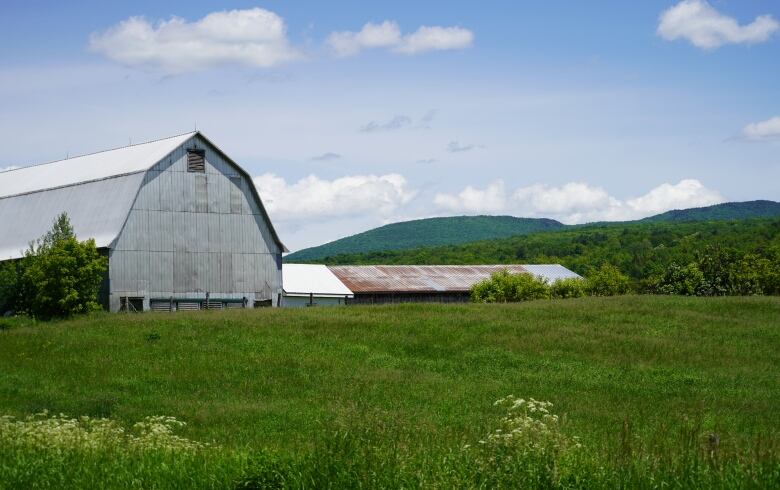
607 281
686 280
503 287
59 275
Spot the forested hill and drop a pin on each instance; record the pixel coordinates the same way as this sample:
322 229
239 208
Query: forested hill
456 230
426 233
725 211
638 249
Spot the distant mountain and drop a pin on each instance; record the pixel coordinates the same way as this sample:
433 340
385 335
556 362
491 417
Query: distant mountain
725 211
428 232
433 232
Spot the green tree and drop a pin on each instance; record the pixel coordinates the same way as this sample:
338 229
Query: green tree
686 280
568 288
9 286
607 281
503 287
60 276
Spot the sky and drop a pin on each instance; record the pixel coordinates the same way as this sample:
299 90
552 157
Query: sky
354 114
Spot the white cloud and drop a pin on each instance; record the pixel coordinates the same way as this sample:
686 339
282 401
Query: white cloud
312 197
388 35
348 43
706 28
492 199
577 202
764 130
252 37
435 39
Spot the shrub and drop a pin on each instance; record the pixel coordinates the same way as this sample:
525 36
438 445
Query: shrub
607 281
568 288
60 276
684 280
503 287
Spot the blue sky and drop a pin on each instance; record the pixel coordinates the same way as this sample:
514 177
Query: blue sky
572 110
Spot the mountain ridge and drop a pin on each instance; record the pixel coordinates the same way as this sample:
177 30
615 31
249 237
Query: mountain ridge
456 230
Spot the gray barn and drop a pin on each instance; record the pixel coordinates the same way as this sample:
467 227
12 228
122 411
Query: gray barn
181 223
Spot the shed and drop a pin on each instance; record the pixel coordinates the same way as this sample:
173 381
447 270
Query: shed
181 223
429 283
312 285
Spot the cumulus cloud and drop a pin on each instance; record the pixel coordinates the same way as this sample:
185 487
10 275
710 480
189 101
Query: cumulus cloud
577 202
492 199
706 28
764 130
325 157
313 197
397 122
457 147
253 37
388 35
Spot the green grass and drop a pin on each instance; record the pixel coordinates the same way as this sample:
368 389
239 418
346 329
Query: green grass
641 380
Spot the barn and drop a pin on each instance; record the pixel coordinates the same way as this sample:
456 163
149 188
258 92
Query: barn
181 223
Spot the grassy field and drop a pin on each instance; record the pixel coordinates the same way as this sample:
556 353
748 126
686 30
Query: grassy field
659 390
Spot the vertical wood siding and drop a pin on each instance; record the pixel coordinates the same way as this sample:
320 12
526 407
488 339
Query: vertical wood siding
192 233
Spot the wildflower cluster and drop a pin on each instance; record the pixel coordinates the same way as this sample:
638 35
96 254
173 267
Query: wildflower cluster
530 425
61 433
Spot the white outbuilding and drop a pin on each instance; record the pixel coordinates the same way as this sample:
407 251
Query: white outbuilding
312 285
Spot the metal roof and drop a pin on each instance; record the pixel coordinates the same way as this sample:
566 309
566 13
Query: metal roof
86 168
433 278
305 279
416 278
551 272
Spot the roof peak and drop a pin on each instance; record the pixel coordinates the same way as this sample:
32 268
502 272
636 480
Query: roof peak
102 151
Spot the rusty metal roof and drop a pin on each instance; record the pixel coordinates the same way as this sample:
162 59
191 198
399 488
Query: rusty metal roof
416 278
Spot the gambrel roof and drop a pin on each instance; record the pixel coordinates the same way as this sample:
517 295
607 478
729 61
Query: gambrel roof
96 190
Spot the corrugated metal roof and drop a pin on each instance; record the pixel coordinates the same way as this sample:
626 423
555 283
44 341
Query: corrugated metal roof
551 272
433 278
96 210
305 279
416 278
87 168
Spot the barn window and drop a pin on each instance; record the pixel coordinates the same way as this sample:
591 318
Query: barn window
196 161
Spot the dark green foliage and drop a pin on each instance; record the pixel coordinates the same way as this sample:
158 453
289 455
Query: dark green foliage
686 280
721 272
426 233
725 211
59 276
9 286
503 287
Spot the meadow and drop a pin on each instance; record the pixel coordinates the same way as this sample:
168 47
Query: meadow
646 392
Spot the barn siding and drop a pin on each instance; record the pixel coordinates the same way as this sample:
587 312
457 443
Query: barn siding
191 233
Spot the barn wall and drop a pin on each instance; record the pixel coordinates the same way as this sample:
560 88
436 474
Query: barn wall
192 233
303 301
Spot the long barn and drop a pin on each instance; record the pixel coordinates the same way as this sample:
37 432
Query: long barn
181 223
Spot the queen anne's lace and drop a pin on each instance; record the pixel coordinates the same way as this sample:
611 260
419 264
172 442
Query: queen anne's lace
44 431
